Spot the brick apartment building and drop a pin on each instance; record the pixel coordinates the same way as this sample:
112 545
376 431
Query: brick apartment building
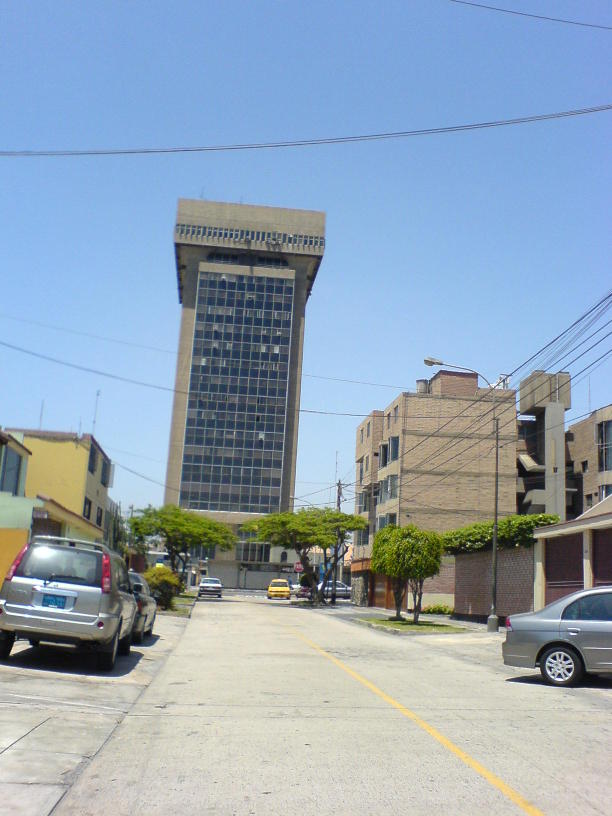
428 459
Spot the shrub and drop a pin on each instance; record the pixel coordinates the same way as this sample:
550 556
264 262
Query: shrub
512 531
164 585
438 609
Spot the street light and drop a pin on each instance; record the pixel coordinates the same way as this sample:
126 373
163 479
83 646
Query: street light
492 620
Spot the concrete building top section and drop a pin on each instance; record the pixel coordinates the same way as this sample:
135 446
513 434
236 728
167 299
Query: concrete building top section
540 389
453 384
243 231
56 436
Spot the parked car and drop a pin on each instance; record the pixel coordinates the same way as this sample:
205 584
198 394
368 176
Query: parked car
567 638
342 590
210 587
65 591
279 588
147 607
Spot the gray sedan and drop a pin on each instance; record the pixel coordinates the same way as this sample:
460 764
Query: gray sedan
565 639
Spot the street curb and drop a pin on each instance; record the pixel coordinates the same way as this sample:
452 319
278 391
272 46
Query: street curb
388 630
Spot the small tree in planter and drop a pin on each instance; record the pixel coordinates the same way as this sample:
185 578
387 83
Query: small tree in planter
164 585
408 556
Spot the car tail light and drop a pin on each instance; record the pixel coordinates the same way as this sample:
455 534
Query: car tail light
508 625
139 605
106 573
16 562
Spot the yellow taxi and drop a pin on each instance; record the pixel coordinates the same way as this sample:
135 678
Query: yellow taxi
279 588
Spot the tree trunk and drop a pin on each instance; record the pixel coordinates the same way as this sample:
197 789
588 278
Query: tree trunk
417 599
308 571
399 590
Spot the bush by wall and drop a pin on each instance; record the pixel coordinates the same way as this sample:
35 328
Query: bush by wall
512 531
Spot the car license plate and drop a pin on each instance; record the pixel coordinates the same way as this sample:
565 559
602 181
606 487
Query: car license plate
54 601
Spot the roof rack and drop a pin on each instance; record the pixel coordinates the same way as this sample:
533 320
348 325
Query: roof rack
68 542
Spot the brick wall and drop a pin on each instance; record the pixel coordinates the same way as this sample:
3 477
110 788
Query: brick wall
444 581
454 383
515 574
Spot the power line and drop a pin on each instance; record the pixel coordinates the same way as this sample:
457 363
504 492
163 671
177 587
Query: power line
330 140
131 344
354 382
534 16
453 472
602 304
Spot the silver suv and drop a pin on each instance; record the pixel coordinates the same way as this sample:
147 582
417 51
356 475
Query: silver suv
61 590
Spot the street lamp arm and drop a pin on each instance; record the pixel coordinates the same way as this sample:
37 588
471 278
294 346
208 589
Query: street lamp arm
433 361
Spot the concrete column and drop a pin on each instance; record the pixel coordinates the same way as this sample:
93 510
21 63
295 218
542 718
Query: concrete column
539 576
554 435
587 558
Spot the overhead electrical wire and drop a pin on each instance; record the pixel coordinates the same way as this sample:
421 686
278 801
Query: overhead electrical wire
459 453
291 143
129 343
533 16
602 304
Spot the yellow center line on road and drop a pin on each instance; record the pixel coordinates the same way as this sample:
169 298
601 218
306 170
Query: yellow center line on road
491 778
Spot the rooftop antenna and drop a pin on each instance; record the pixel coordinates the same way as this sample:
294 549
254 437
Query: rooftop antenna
42 408
93 425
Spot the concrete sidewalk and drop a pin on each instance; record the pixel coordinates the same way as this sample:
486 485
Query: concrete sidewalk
57 711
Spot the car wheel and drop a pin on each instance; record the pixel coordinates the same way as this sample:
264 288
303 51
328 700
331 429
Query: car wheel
125 644
6 644
108 654
561 666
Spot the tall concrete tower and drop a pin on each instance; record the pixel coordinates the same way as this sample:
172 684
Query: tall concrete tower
244 275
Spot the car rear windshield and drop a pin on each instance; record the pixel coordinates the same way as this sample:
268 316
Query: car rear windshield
211 581
66 564
279 584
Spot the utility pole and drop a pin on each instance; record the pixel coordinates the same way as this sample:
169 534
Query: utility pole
337 546
493 620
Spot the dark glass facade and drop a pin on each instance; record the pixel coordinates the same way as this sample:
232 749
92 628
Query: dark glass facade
235 427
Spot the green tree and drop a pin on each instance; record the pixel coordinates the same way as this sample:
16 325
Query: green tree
408 556
181 531
308 530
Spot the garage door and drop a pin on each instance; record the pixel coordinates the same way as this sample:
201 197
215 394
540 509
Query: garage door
563 566
602 557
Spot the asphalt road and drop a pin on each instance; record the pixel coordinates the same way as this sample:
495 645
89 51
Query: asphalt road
265 708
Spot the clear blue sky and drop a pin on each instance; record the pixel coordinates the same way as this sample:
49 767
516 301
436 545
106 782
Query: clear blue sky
477 247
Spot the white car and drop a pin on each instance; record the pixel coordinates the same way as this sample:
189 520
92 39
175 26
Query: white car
342 590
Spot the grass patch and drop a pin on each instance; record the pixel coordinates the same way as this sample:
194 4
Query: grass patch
183 611
407 625
182 606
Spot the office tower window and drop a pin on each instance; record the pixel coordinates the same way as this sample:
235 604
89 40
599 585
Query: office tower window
235 429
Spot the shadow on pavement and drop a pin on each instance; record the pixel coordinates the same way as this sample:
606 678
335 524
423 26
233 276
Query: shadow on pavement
588 681
64 660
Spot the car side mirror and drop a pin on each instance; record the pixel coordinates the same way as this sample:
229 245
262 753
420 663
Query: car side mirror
136 588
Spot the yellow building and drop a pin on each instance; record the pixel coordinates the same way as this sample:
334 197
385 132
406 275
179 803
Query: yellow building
21 517
71 468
